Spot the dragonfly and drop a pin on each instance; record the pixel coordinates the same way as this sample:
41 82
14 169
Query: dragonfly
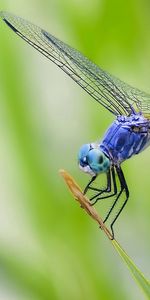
129 134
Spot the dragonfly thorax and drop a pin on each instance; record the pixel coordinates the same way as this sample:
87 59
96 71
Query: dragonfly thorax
126 137
92 160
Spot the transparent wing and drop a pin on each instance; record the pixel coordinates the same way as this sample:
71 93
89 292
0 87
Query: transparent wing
118 97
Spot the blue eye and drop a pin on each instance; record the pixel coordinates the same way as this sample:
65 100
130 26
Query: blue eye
83 152
93 160
97 161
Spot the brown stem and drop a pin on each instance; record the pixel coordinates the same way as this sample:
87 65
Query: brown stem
84 202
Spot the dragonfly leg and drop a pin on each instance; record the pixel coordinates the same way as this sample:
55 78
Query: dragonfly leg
125 188
88 185
100 191
104 190
111 178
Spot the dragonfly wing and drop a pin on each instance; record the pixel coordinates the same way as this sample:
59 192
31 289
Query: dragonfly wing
118 97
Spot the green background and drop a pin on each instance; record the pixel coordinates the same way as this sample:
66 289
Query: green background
49 249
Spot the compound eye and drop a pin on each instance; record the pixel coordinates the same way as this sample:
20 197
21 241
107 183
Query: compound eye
82 155
101 159
97 161
83 161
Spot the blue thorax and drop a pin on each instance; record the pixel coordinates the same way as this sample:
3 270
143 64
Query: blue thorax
125 137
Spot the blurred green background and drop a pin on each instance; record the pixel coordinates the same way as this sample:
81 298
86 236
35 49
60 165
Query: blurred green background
49 249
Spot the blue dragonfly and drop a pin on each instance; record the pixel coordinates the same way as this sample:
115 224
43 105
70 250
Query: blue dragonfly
128 135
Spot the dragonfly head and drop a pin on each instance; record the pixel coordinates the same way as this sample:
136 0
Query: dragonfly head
92 160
